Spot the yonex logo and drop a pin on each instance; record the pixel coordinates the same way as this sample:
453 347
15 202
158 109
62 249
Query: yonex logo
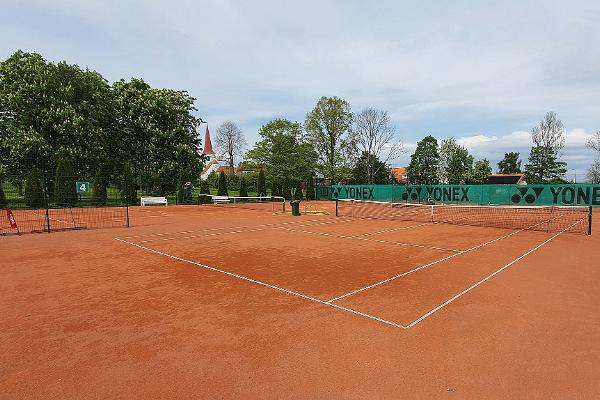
412 193
530 195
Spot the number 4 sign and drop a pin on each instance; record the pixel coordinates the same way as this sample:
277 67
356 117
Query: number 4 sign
82 187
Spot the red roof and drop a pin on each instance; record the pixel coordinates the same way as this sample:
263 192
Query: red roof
208 150
400 174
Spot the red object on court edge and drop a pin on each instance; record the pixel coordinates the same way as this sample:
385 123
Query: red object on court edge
11 218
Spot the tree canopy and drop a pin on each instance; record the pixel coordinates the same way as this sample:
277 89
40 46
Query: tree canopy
424 162
510 164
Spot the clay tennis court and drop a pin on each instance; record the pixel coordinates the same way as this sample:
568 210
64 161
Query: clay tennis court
216 302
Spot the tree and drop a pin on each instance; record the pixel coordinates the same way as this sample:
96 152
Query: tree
204 192
372 132
283 150
548 140
327 127
3 202
593 173
184 190
543 166
128 189
243 188
298 191
261 186
230 142
594 143
368 163
275 187
34 195
222 191
65 192
480 173
455 162
424 162
510 164
99 196
310 188
286 189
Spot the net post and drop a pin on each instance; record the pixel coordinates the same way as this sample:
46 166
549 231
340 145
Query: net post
590 213
127 214
337 214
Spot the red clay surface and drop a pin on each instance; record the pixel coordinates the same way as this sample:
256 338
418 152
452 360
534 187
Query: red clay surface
86 316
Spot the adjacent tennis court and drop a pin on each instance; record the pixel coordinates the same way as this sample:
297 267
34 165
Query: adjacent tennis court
381 290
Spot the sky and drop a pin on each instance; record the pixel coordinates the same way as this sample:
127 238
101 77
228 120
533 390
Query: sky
483 72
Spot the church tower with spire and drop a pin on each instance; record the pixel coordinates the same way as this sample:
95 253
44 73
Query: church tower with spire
213 164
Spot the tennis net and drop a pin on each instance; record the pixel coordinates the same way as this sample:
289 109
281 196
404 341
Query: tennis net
541 218
261 203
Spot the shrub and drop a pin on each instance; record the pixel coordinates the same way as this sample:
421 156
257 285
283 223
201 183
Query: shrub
128 190
243 188
261 187
34 197
99 195
204 190
65 192
222 189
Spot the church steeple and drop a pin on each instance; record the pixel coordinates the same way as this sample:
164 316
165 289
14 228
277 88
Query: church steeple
208 150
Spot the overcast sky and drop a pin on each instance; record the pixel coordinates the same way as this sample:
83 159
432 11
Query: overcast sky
484 72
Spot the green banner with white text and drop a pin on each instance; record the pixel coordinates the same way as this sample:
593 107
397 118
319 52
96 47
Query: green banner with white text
559 195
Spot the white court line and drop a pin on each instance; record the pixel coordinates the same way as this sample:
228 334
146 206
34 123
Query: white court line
456 296
238 227
422 267
421 246
244 278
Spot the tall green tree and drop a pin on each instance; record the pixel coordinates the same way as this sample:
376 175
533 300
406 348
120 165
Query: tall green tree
548 139
298 191
222 190
455 162
424 162
65 192
480 173
544 167
327 127
261 185
370 170
510 164
283 150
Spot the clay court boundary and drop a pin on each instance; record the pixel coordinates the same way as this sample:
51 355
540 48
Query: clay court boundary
331 303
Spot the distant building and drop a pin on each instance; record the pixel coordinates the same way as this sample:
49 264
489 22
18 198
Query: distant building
400 174
506 179
212 164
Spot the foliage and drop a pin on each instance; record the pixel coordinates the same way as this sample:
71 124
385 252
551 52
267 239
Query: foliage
424 162
34 195
275 187
3 202
593 173
298 195
455 162
157 186
204 190
184 191
327 127
544 167
128 188
283 150
99 196
480 173
261 188
510 164
286 189
65 192
370 164
243 188
310 188
222 189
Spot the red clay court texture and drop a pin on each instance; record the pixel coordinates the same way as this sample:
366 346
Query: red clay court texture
213 302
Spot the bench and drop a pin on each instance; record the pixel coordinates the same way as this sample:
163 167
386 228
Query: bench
220 200
153 200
